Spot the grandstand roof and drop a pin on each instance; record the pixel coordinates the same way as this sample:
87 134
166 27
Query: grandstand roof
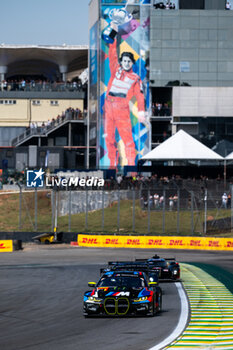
33 59
182 146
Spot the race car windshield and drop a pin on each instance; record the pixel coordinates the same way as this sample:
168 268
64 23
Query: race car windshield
158 263
120 281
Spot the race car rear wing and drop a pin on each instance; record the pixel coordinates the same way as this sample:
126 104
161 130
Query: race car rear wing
131 266
142 260
111 263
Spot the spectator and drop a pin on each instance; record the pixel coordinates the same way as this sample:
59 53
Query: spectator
228 6
156 200
175 200
161 201
229 201
224 200
119 180
151 201
171 203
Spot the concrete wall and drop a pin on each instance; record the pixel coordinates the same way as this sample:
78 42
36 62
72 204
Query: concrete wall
192 46
28 236
23 111
203 101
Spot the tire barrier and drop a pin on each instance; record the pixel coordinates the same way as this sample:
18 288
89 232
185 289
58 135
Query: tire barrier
17 244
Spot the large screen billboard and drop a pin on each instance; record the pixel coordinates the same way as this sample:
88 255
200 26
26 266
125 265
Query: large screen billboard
124 115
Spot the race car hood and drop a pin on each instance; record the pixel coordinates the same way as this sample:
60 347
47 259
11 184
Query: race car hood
103 292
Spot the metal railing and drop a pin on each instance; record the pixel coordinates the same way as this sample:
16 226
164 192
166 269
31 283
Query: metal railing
41 86
44 130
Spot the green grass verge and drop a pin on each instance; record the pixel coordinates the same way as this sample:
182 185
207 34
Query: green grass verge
169 224
219 273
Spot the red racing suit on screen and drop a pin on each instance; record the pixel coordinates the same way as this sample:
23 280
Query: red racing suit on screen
122 86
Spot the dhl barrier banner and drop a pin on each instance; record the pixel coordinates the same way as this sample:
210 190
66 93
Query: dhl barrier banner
6 246
201 243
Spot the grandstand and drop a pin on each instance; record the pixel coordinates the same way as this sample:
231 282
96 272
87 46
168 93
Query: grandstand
43 103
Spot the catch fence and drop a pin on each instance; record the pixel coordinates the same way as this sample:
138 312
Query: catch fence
165 209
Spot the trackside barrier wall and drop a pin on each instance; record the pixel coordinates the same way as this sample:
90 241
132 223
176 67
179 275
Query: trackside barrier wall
6 246
200 243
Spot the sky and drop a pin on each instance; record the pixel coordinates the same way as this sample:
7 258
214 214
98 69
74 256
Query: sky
44 22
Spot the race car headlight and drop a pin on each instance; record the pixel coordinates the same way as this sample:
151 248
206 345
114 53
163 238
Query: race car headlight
93 299
140 299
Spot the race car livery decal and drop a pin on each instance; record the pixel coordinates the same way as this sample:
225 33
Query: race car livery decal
118 294
144 293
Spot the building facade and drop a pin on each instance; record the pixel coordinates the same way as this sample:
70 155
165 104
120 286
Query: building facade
190 68
43 101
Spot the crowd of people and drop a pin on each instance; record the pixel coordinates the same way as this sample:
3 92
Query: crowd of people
161 109
156 201
226 200
168 5
69 114
40 85
154 181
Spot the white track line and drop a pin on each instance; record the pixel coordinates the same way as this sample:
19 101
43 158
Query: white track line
184 314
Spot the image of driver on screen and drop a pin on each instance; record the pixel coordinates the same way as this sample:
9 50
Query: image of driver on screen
123 85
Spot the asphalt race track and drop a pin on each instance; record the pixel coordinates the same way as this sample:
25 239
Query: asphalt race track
41 292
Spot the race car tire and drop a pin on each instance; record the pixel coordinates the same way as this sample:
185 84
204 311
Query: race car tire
152 311
159 308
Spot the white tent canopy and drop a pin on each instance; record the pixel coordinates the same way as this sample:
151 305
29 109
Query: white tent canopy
230 156
182 146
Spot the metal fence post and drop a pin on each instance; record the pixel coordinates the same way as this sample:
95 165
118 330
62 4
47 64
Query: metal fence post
148 211
86 216
178 211
56 216
192 213
164 207
231 208
118 212
69 224
205 220
133 228
20 207
53 209
102 210
35 226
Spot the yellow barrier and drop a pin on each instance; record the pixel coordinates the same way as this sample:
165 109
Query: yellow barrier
166 242
6 246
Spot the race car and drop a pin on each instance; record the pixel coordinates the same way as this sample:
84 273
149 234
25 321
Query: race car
168 268
151 274
122 293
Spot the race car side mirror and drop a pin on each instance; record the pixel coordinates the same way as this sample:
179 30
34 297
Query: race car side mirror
91 284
